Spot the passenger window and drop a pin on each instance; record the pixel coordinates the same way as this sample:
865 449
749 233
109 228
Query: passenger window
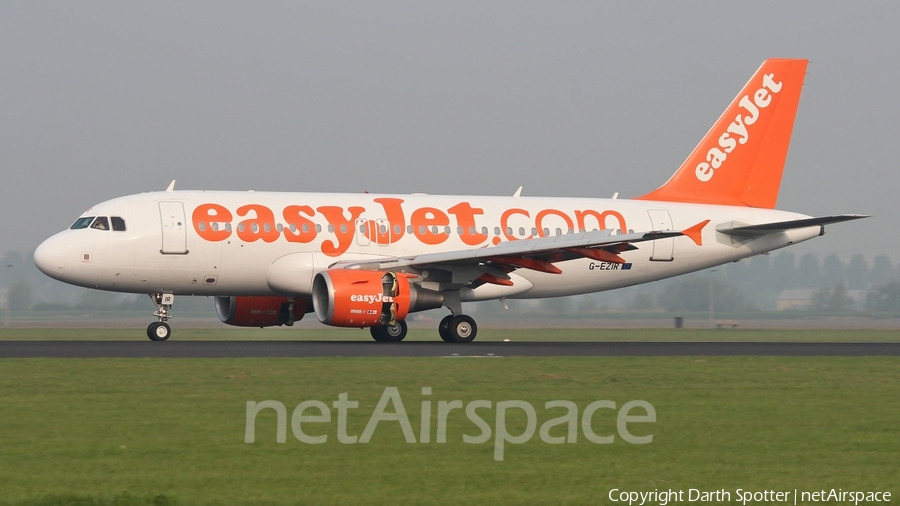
118 224
82 223
100 223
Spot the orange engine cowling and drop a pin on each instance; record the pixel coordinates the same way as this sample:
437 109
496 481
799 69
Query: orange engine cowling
249 311
355 298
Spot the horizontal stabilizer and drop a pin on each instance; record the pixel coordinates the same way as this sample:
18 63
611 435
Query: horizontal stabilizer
734 228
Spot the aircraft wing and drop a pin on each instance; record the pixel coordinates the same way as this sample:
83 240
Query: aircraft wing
739 229
536 254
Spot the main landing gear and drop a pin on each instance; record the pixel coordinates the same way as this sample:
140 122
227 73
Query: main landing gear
160 330
389 333
453 329
458 328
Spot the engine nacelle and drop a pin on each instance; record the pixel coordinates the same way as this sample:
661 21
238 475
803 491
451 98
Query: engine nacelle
245 311
355 298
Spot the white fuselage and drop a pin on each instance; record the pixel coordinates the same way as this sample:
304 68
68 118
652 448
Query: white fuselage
230 243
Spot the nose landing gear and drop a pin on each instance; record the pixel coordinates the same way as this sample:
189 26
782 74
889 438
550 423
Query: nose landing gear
160 330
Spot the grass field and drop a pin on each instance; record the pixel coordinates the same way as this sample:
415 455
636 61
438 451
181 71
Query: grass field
171 431
486 334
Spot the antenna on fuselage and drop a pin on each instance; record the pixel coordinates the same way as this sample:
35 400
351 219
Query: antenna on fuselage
518 192
171 186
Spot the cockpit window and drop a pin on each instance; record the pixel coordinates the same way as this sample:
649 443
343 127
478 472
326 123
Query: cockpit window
118 223
100 223
82 222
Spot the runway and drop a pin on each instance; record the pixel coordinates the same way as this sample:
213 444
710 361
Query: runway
242 349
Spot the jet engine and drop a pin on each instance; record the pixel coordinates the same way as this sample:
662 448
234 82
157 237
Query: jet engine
246 311
355 298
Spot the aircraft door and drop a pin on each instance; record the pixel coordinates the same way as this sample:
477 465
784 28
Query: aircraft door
174 228
383 232
369 231
362 231
662 248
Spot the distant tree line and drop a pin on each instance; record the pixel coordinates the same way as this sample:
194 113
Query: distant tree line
884 298
783 271
749 285
755 284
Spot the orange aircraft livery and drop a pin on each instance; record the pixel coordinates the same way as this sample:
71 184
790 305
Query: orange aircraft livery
429 225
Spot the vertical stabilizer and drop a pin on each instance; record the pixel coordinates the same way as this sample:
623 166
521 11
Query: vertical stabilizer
740 161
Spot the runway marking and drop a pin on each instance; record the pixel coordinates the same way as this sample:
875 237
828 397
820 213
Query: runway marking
457 355
310 349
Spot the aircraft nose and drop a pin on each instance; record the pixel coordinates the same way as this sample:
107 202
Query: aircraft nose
50 256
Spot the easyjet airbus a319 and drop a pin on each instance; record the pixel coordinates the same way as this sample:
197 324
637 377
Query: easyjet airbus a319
364 260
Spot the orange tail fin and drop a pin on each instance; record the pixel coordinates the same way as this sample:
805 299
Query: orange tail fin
740 161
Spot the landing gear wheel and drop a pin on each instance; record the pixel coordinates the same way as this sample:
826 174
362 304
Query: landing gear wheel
443 328
461 329
159 331
389 333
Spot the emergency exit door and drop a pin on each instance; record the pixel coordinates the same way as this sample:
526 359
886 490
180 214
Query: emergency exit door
369 231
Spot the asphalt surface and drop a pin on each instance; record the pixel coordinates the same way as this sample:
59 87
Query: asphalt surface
237 349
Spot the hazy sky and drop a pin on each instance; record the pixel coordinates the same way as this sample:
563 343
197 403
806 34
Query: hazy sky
585 99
